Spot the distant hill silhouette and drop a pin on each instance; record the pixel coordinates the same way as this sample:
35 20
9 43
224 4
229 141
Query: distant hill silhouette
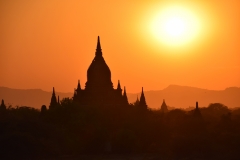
185 97
174 95
28 97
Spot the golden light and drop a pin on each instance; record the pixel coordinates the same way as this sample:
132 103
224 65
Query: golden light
175 26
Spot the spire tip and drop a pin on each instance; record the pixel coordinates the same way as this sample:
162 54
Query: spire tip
98 50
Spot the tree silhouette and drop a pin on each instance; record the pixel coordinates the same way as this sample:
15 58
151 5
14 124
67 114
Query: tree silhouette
75 130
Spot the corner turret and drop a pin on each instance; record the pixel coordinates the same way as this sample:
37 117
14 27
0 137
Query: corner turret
125 99
119 86
78 86
137 102
142 102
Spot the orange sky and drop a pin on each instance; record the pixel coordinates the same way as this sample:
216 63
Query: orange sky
46 43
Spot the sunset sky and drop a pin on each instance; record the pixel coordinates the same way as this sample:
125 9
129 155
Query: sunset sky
46 43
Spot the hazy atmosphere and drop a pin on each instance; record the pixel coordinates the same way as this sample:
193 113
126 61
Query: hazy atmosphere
120 80
50 43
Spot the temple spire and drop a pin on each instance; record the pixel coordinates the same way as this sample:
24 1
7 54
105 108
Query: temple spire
142 102
118 86
142 98
164 108
78 86
53 91
197 112
53 102
99 49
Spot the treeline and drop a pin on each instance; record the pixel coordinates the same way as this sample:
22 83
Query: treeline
72 130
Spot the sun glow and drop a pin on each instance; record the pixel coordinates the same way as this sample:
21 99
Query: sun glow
175 26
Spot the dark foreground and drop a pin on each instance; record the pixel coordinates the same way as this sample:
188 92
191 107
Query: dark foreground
145 157
119 133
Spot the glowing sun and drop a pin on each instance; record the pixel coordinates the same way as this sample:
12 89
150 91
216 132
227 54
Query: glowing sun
175 26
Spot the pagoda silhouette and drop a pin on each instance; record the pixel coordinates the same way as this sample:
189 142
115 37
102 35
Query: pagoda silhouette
99 87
